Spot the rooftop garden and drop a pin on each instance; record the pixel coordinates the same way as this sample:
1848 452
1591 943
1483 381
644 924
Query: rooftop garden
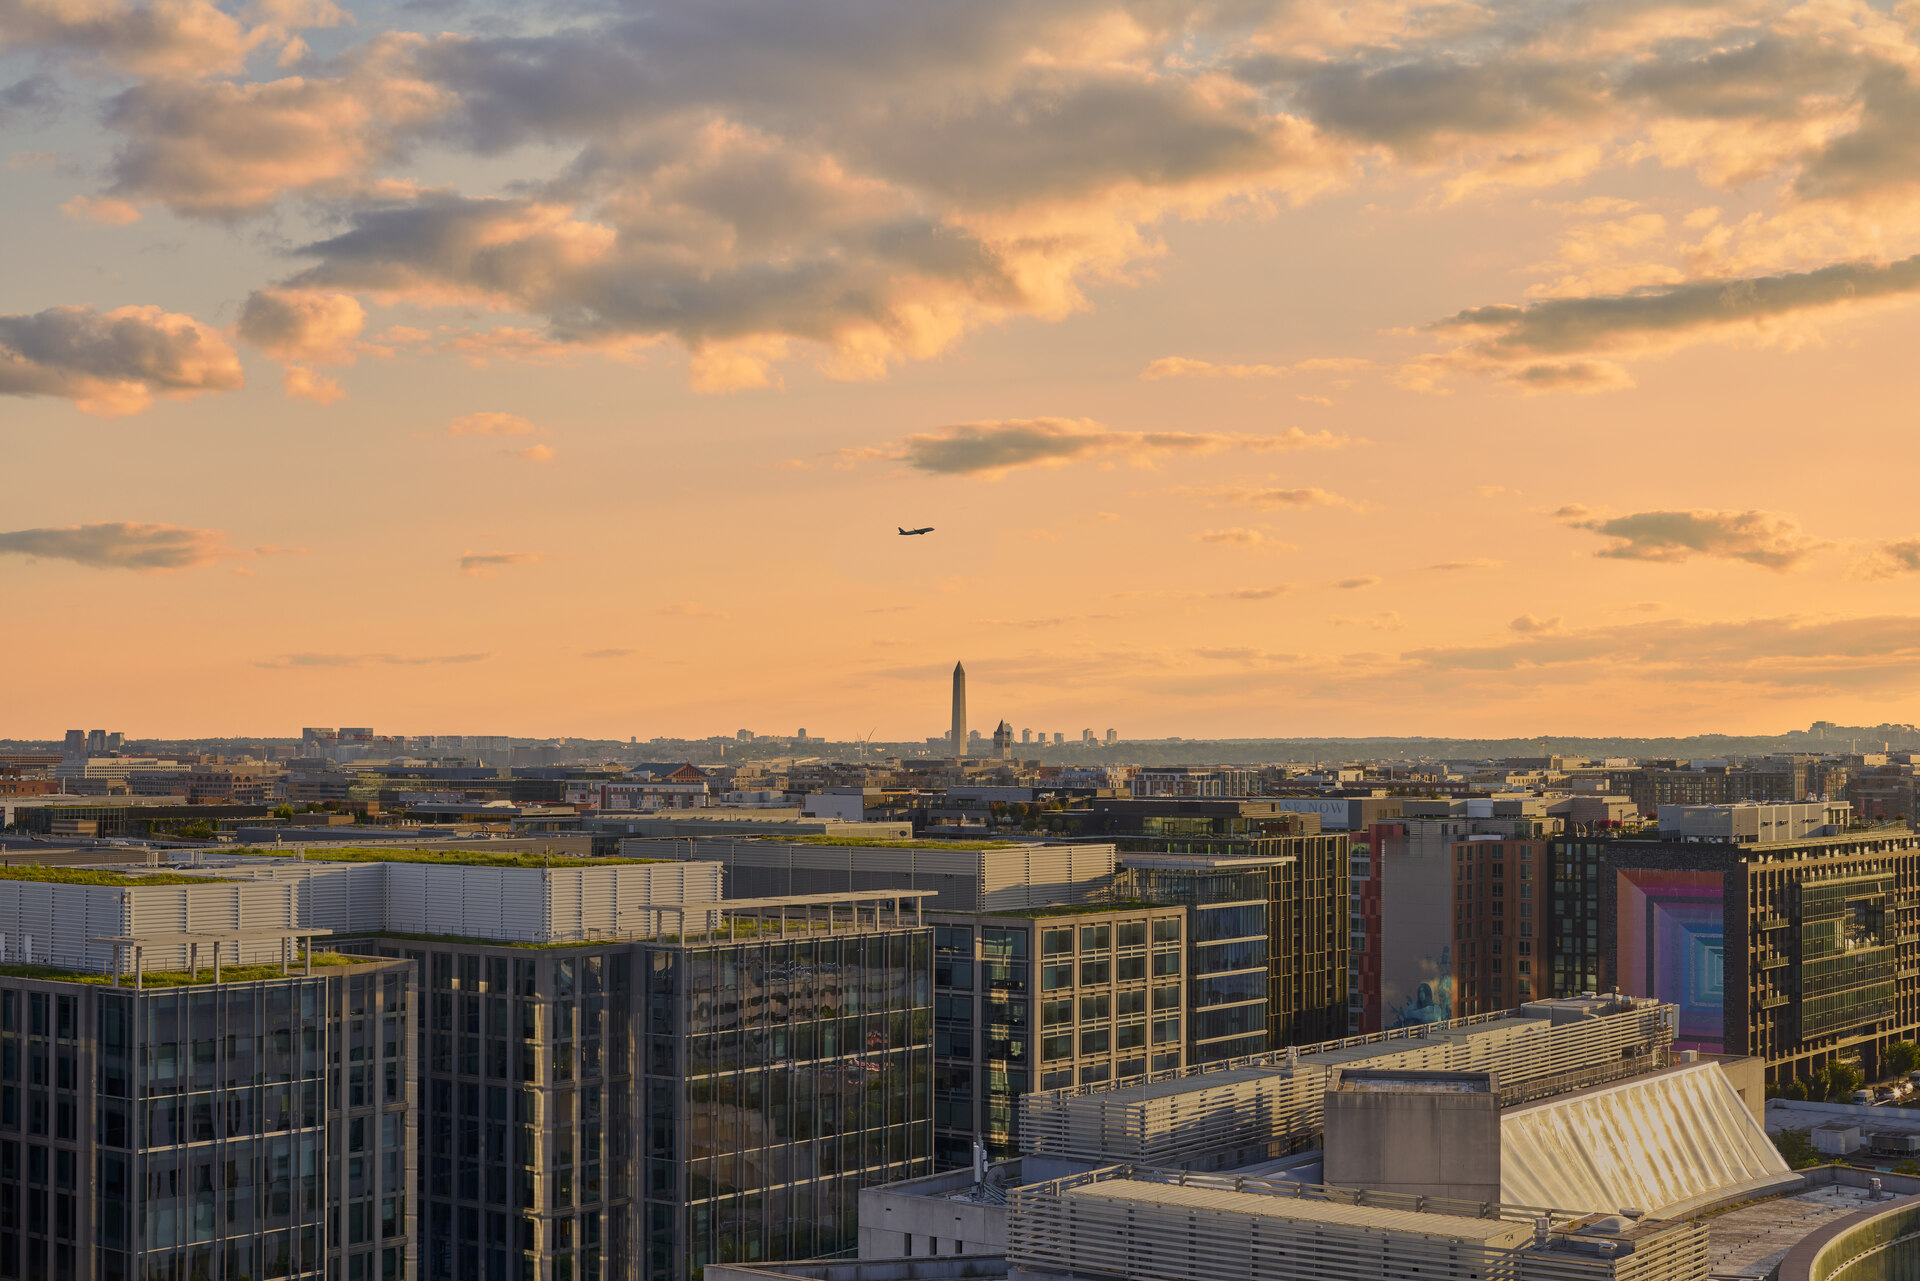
456 858
182 978
881 842
90 876
1078 909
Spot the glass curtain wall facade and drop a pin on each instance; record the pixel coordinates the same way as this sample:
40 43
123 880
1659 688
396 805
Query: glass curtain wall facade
1574 914
1228 940
1308 926
781 1078
1044 999
215 1132
633 1111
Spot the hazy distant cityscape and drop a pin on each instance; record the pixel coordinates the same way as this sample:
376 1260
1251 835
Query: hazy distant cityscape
1003 1004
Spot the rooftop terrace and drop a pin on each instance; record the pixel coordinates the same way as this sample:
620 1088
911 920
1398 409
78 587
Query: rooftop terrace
454 858
183 978
877 842
93 876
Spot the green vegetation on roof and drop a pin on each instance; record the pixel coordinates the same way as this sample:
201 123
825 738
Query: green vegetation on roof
90 876
883 842
1078 909
460 858
182 978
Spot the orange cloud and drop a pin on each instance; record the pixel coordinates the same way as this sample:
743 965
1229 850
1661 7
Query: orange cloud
491 423
113 362
101 209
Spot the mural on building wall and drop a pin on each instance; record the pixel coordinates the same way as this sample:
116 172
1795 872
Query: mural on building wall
1431 1001
1672 946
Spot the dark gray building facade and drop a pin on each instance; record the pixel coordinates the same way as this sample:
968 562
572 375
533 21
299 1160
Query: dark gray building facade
633 1110
207 1132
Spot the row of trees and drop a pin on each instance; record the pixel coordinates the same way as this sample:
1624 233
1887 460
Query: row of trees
1837 1081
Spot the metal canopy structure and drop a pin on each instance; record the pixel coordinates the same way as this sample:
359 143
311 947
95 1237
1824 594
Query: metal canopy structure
192 941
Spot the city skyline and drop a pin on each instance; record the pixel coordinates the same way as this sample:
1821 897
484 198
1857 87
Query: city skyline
1360 375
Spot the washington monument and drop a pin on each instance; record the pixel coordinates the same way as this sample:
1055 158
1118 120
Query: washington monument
959 711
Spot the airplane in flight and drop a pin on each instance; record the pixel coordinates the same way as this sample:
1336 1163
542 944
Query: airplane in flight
908 533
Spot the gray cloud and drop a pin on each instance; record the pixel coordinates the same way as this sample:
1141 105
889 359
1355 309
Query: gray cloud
1881 153
1511 341
994 448
482 564
119 545
1890 560
1411 105
1768 78
113 362
36 95
1767 539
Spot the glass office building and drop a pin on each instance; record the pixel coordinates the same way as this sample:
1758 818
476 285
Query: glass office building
1229 936
212 1131
635 1109
1045 998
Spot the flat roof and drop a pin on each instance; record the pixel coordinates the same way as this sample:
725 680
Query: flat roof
1488 1232
1148 1090
1751 1241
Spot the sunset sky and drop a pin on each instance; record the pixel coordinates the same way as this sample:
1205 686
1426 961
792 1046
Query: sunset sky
1265 368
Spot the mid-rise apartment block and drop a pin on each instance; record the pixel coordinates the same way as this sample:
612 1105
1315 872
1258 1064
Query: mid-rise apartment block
1307 895
1043 998
1437 921
1798 952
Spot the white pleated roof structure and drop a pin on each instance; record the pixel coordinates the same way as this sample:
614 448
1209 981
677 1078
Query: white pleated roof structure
1664 1144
